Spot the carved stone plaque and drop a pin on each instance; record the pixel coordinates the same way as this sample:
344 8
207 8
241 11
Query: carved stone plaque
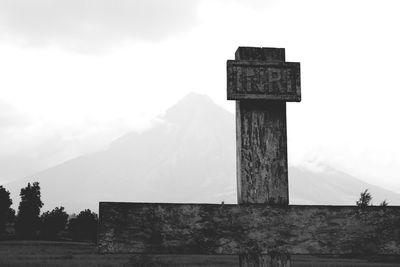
261 80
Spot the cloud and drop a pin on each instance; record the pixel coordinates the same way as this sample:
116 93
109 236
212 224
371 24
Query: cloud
11 118
79 23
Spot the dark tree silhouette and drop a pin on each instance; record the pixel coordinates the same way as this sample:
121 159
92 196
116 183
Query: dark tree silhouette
28 222
384 203
84 226
365 199
52 223
6 212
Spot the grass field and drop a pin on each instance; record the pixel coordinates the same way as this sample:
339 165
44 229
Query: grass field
41 253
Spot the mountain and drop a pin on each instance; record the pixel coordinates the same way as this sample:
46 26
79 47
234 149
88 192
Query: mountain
187 155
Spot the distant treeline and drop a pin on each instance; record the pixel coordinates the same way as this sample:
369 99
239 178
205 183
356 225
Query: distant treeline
29 224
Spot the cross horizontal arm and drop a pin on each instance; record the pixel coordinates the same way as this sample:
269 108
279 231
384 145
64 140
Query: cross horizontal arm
233 229
263 80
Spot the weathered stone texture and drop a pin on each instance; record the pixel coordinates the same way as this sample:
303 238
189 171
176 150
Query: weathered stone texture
263 80
262 175
237 229
262 152
268 54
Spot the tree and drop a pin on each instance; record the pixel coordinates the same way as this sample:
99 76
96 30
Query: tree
52 223
365 199
28 222
6 212
384 203
84 226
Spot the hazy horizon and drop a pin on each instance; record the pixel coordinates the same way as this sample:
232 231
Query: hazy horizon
187 155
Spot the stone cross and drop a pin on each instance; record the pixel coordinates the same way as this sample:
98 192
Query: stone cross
261 83
263 229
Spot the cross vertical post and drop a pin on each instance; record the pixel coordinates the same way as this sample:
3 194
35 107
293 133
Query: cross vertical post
261 92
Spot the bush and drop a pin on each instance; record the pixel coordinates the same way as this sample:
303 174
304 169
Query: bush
365 199
53 223
84 226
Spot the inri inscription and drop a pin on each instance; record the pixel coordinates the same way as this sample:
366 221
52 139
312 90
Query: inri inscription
262 80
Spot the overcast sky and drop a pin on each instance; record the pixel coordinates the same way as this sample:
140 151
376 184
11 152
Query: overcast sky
76 74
